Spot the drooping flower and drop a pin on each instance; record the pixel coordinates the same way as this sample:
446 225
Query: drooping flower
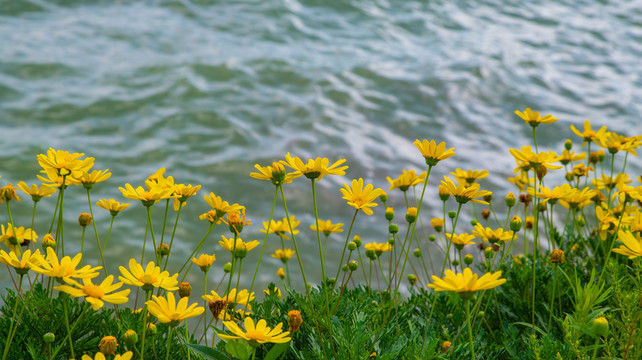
327 227
8 193
314 168
256 334
466 283
168 311
432 152
112 205
463 193
406 180
283 255
97 295
65 163
568 157
108 345
36 192
361 197
534 160
149 278
461 240
222 207
533 118
64 270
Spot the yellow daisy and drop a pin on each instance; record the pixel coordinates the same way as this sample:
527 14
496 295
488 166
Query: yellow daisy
588 134
204 261
327 227
147 279
256 334
406 180
432 152
361 197
314 169
112 205
469 176
228 243
64 270
466 283
23 264
168 311
275 173
533 118
100 356
283 255
632 245
463 193
96 295
36 192
65 163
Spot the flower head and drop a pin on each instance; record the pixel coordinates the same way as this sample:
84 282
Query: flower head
282 227
8 193
361 197
283 255
466 283
492 236
149 278
461 240
378 248
463 193
100 356
23 263
406 180
294 321
327 227
108 345
182 192
65 163
256 334
588 134
17 236
230 245
533 118
88 179
222 207
168 311
469 176
112 205
54 179
632 244
96 295
314 169
233 298
147 197
204 261
64 270
36 192
275 173
432 152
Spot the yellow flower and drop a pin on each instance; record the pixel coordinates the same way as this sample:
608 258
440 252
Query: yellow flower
65 163
281 227
182 192
108 345
406 180
437 224
492 236
607 182
466 283
632 244
210 216
551 196
327 227
65 268
256 334
88 179
463 193
378 248
22 264
461 240
8 192
275 173
567 157
361 197
535 160
147 279
147 197
168 311
283 255
280 273
36 192
54 179
96 295
17 236
432 152
204 261
533 118
314 169
588 134
221 207
469 176
576 199
100 356
233 297
614 142
112 205
228 244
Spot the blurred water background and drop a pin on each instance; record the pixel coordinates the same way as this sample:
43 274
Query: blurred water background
209 88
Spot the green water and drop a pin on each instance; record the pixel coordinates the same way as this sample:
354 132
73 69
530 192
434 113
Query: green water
207 89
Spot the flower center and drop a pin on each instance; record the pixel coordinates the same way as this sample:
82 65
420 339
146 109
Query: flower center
148 279
93 290
254 335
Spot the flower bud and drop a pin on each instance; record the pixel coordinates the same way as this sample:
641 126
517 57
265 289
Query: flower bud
437 224
474 222
227 268
557 256
371 254
84 219
445 346
162 250
49 337
601 154
108 345
393 228
510 199
131 338
541 207
481 313
444 194
240 251
432 238
516 223
468 259
294 321
488 252
600 326
525 199
485 214
541 172
391 240
580 221
280 273
353 265
411 215
352 246
412 279
455 263
357 240
390 213
278 173
151 329
184 289
594 157
417 252
383 197
48 241
216 306
452 214
530 221
8 193
331 281
488 198
344 268
568 144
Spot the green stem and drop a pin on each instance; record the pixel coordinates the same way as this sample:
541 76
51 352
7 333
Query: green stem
165 220
64 305
296 248
171 241
316 219
450 241
144 318
234 259
381 269
151 230
550 315
169 341
7 344
344 246
93 221
206 306
109 231
470 330
59 230
82 243
197 249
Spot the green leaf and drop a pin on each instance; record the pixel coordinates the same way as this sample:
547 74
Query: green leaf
276 351
207 352
237 349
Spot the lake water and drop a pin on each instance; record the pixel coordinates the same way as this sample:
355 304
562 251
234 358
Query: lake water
207 89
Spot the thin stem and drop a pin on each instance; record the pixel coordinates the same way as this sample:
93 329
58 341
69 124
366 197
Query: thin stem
64 305
344 245
206 305
470 330
550 315
197 249
169 341
7 344
109 231
171 241
316 219
450 241
93 221
151 230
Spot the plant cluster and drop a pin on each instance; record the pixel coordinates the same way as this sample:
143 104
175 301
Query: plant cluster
573 289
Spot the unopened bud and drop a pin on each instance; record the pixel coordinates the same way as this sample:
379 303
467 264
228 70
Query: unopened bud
445 346
294 321
280 273
393 228
452 214
474 222
488 198
437 224
353 265
240 251
131 338
352 246
510 199
525 199
488 252
48 241
184 289
411 215
84 219
412 279
600 326
444 194
162 250
390 213
485 214
568 144
455 263
516 223
357 240
108 345
371 254
432 238
468 259
417 252
227 268
49 337
557 256
391 240
383 198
